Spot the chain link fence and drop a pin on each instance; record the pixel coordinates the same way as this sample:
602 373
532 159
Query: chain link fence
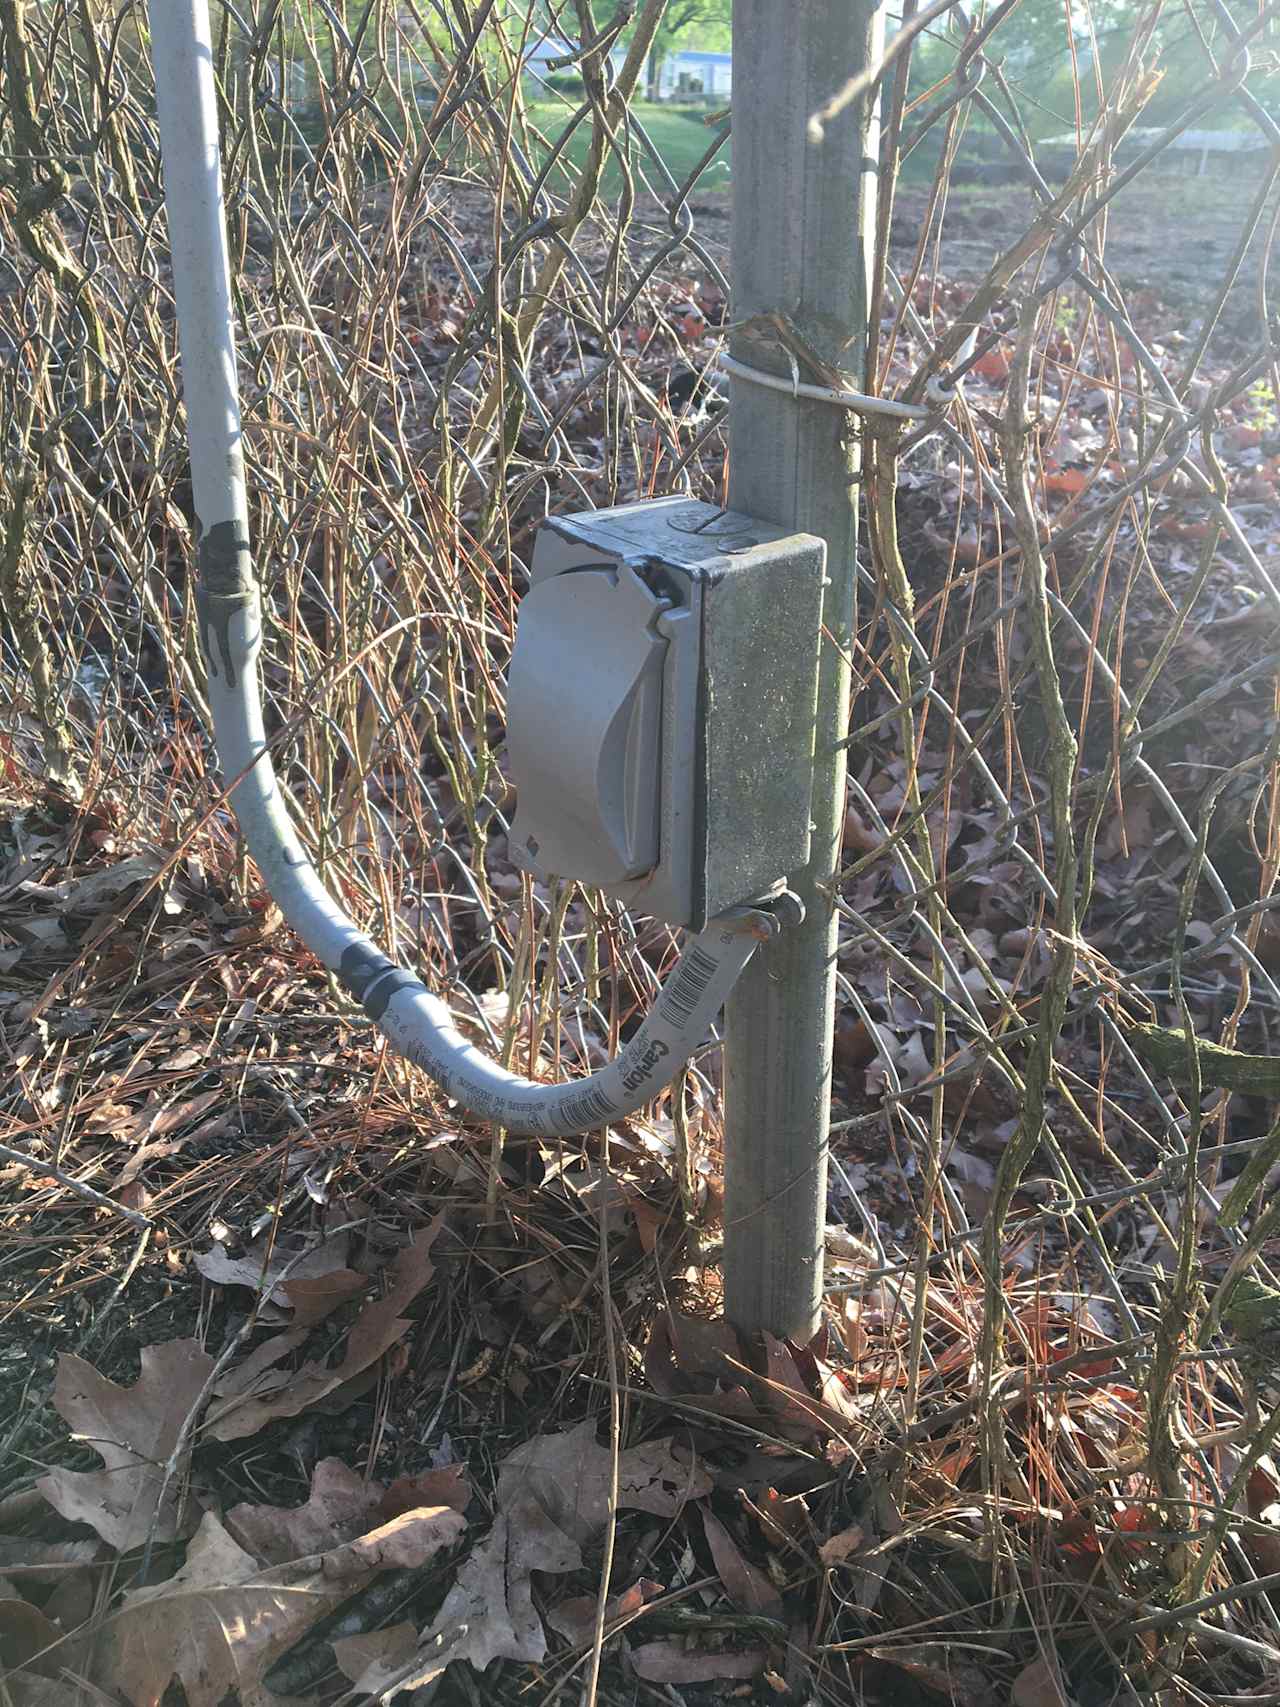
473 291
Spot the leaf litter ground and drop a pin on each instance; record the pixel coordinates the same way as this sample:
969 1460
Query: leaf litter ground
333 1422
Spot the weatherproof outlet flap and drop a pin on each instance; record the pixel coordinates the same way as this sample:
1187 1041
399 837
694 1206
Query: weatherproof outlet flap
584 720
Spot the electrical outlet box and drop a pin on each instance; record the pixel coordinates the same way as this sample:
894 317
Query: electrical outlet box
661 703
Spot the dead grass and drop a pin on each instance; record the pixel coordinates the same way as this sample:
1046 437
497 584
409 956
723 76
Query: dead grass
861 1528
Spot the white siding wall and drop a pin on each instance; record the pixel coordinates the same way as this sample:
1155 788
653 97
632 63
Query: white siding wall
715 76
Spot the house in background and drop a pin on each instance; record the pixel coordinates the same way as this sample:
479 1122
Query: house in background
1206 147
686 75
541 56
690 74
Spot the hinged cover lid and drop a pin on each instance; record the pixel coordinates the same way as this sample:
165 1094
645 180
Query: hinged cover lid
584 726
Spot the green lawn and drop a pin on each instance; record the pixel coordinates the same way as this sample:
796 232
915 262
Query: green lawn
679 135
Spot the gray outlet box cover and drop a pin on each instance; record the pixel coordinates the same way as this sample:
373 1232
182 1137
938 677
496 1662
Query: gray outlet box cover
661 703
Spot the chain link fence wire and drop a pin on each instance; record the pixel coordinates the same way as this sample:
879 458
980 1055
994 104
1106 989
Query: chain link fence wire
473 291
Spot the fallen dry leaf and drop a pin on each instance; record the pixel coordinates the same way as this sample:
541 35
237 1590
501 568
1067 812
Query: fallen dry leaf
853 1044
1038 1686
841 1546
489 1613
29 1689
27 1635
566 1476
317 1282
341 1506
672 1662
797 1415
73 1599
1128 830
746 1584
373 1333
446 1486
218 1625
87 894
692 1354
390 1649
22 1557
313 1297
404 1544
133 1430
127 1178
575 1618
21 1504
1263 1538
221 1623
649 1220
936 1667
160 1122
841 1407
553 1497
1065 482
785 1519
258 1375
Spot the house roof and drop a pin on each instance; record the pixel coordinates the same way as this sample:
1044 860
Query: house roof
538 53
550 47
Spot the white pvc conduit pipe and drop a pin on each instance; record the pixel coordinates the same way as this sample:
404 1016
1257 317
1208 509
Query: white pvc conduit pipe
417 1024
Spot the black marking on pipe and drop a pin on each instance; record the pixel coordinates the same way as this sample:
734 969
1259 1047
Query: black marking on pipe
225 586
588 1109
361 965
371 979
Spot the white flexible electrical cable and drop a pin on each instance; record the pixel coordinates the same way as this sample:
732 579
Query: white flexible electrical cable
417 1024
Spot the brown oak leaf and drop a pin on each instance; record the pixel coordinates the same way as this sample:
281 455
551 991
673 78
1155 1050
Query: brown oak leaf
553 1498
341 1506
134 1430
221 1623
311 1284
375 1330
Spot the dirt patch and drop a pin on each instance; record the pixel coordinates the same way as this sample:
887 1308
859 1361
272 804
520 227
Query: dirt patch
1171 233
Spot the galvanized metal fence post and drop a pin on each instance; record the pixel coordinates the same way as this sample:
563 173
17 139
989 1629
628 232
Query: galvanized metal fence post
803 217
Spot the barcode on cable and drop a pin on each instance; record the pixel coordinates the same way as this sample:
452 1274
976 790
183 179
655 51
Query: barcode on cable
588 1108
696 971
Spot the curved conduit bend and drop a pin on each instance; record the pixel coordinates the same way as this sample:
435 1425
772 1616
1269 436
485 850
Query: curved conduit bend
417 1024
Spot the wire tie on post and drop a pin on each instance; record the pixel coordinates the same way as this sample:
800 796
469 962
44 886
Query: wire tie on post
859 401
